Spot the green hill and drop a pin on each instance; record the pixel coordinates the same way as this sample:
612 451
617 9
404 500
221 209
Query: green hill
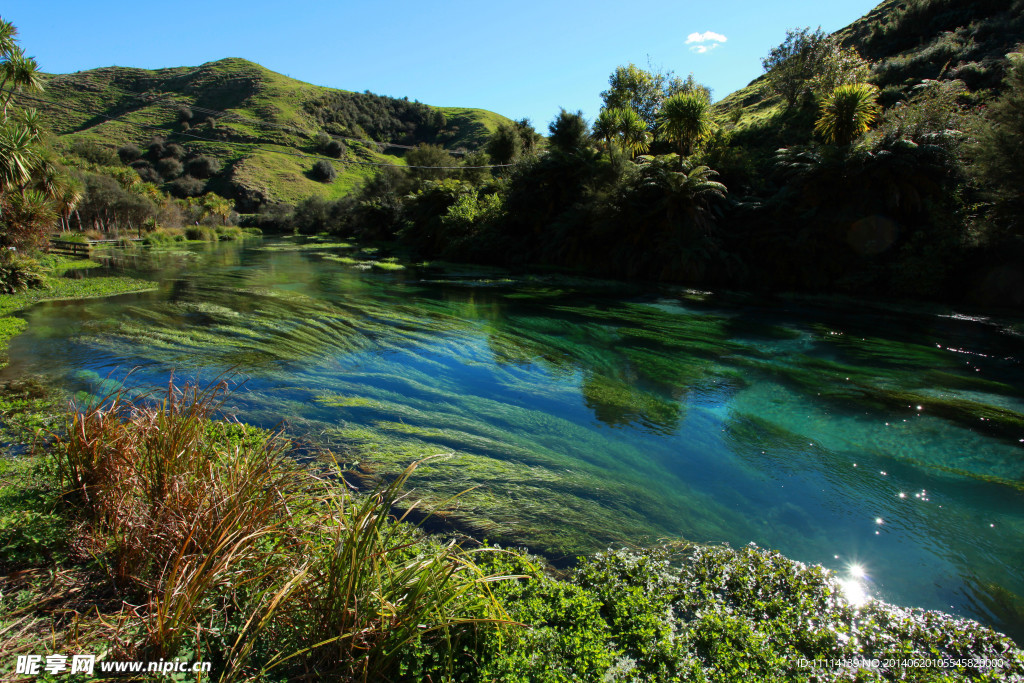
907 41
259 126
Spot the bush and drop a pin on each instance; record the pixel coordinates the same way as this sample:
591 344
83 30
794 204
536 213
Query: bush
129 153
169 168
202 166
147 173
276 218
95 153
18 273
163 237
201 232
174 151
187 186
324 172
229 233
334 148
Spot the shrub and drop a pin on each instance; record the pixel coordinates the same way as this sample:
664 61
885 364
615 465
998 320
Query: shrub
229 233
324 171
174 151
202 166
169 168
95 153
129 153
276 218
187 186
201 232
334 148
18 273
155 149
147 173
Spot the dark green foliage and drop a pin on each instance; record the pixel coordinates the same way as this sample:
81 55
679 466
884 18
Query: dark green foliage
811 63
511 142
174 151
871 218
204 233
476 159
95 153
129 153
202 166
107 206
315 215
276 218
335 149
998 154
155 149
698 613
146 172
169 168
386 119
18 273
324 171
505 145
433 161
377 211
186 186
570 132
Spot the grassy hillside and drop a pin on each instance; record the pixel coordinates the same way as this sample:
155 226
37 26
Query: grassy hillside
907 41
259 125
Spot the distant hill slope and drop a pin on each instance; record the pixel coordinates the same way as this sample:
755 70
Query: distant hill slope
908 41
259 125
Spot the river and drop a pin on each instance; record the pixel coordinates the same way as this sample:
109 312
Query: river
885 442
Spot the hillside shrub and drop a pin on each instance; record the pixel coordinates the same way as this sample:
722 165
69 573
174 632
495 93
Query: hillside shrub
129 153
169 168
324 171
202 166
186 186
95 153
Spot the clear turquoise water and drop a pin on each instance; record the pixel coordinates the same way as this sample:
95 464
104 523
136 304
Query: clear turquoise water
590 413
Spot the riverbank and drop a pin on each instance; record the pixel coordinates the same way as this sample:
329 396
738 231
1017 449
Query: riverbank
56 286
233 555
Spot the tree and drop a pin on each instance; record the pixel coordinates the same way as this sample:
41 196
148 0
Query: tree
505 145
429 161
605 126
569 132
685 119
630 87
811 62
20 73
998 153
631 131
847 113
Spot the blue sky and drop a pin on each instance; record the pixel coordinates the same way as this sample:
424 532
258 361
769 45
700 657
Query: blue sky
525 59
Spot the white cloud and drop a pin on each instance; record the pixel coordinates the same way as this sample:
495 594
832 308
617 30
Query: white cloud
704 42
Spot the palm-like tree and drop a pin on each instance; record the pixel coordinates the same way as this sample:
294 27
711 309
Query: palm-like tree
18 155
632 131
8 37
605 126
848 112
70 195
685 119
21 73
